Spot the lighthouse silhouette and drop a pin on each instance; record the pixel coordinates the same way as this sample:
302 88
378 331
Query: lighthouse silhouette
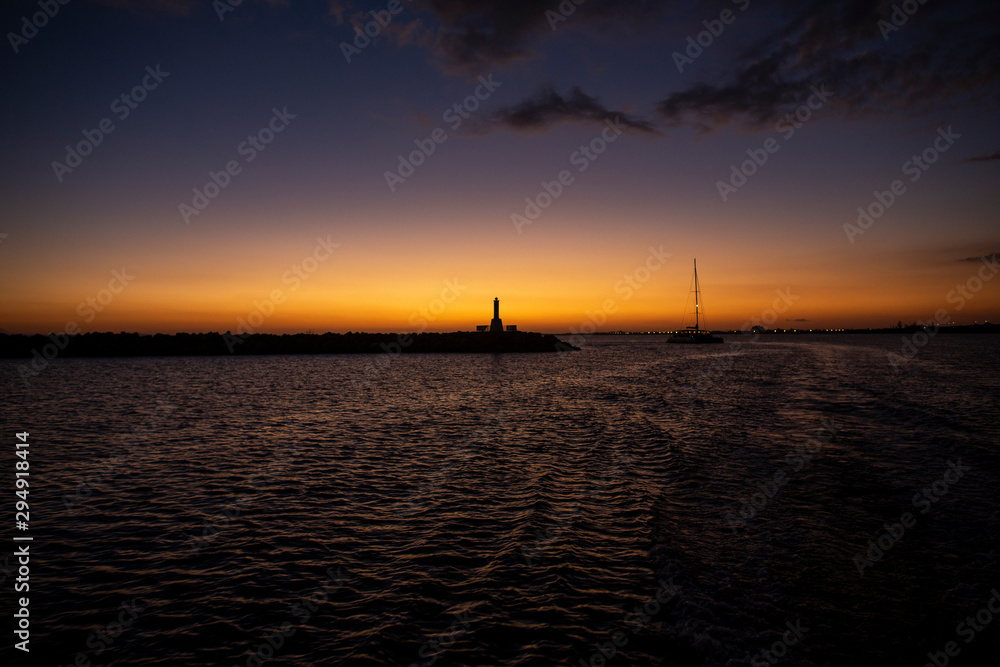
496 326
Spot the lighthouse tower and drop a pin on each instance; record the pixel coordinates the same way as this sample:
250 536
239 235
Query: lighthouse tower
496 326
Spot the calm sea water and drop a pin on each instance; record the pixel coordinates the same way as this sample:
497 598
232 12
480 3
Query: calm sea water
515 509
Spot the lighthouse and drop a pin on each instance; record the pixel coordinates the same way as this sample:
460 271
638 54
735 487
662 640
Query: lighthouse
496 326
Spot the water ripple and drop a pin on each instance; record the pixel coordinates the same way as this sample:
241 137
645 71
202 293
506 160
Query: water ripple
512 509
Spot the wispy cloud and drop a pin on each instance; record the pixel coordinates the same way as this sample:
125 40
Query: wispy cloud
549 108
982 258
943 53
336 9
984 158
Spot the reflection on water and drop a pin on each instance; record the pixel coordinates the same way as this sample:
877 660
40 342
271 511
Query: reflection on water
634 503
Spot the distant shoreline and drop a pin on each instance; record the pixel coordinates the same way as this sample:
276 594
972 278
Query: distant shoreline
955 329
41 348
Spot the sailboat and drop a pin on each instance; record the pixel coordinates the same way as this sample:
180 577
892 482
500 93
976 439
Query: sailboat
695 335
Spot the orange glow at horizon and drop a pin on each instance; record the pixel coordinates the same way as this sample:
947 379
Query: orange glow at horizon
423 278
456 303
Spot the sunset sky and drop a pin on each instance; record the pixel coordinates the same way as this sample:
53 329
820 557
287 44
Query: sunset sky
312 234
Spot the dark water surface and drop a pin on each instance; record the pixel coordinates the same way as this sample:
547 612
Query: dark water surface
515 509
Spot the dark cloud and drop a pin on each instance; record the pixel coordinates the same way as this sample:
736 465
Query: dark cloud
945 51
767 62
549 108
984 158
755 94
475 34
942 53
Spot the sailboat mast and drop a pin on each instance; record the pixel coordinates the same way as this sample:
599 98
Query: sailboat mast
697 298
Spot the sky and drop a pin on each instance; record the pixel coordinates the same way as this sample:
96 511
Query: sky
267 166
